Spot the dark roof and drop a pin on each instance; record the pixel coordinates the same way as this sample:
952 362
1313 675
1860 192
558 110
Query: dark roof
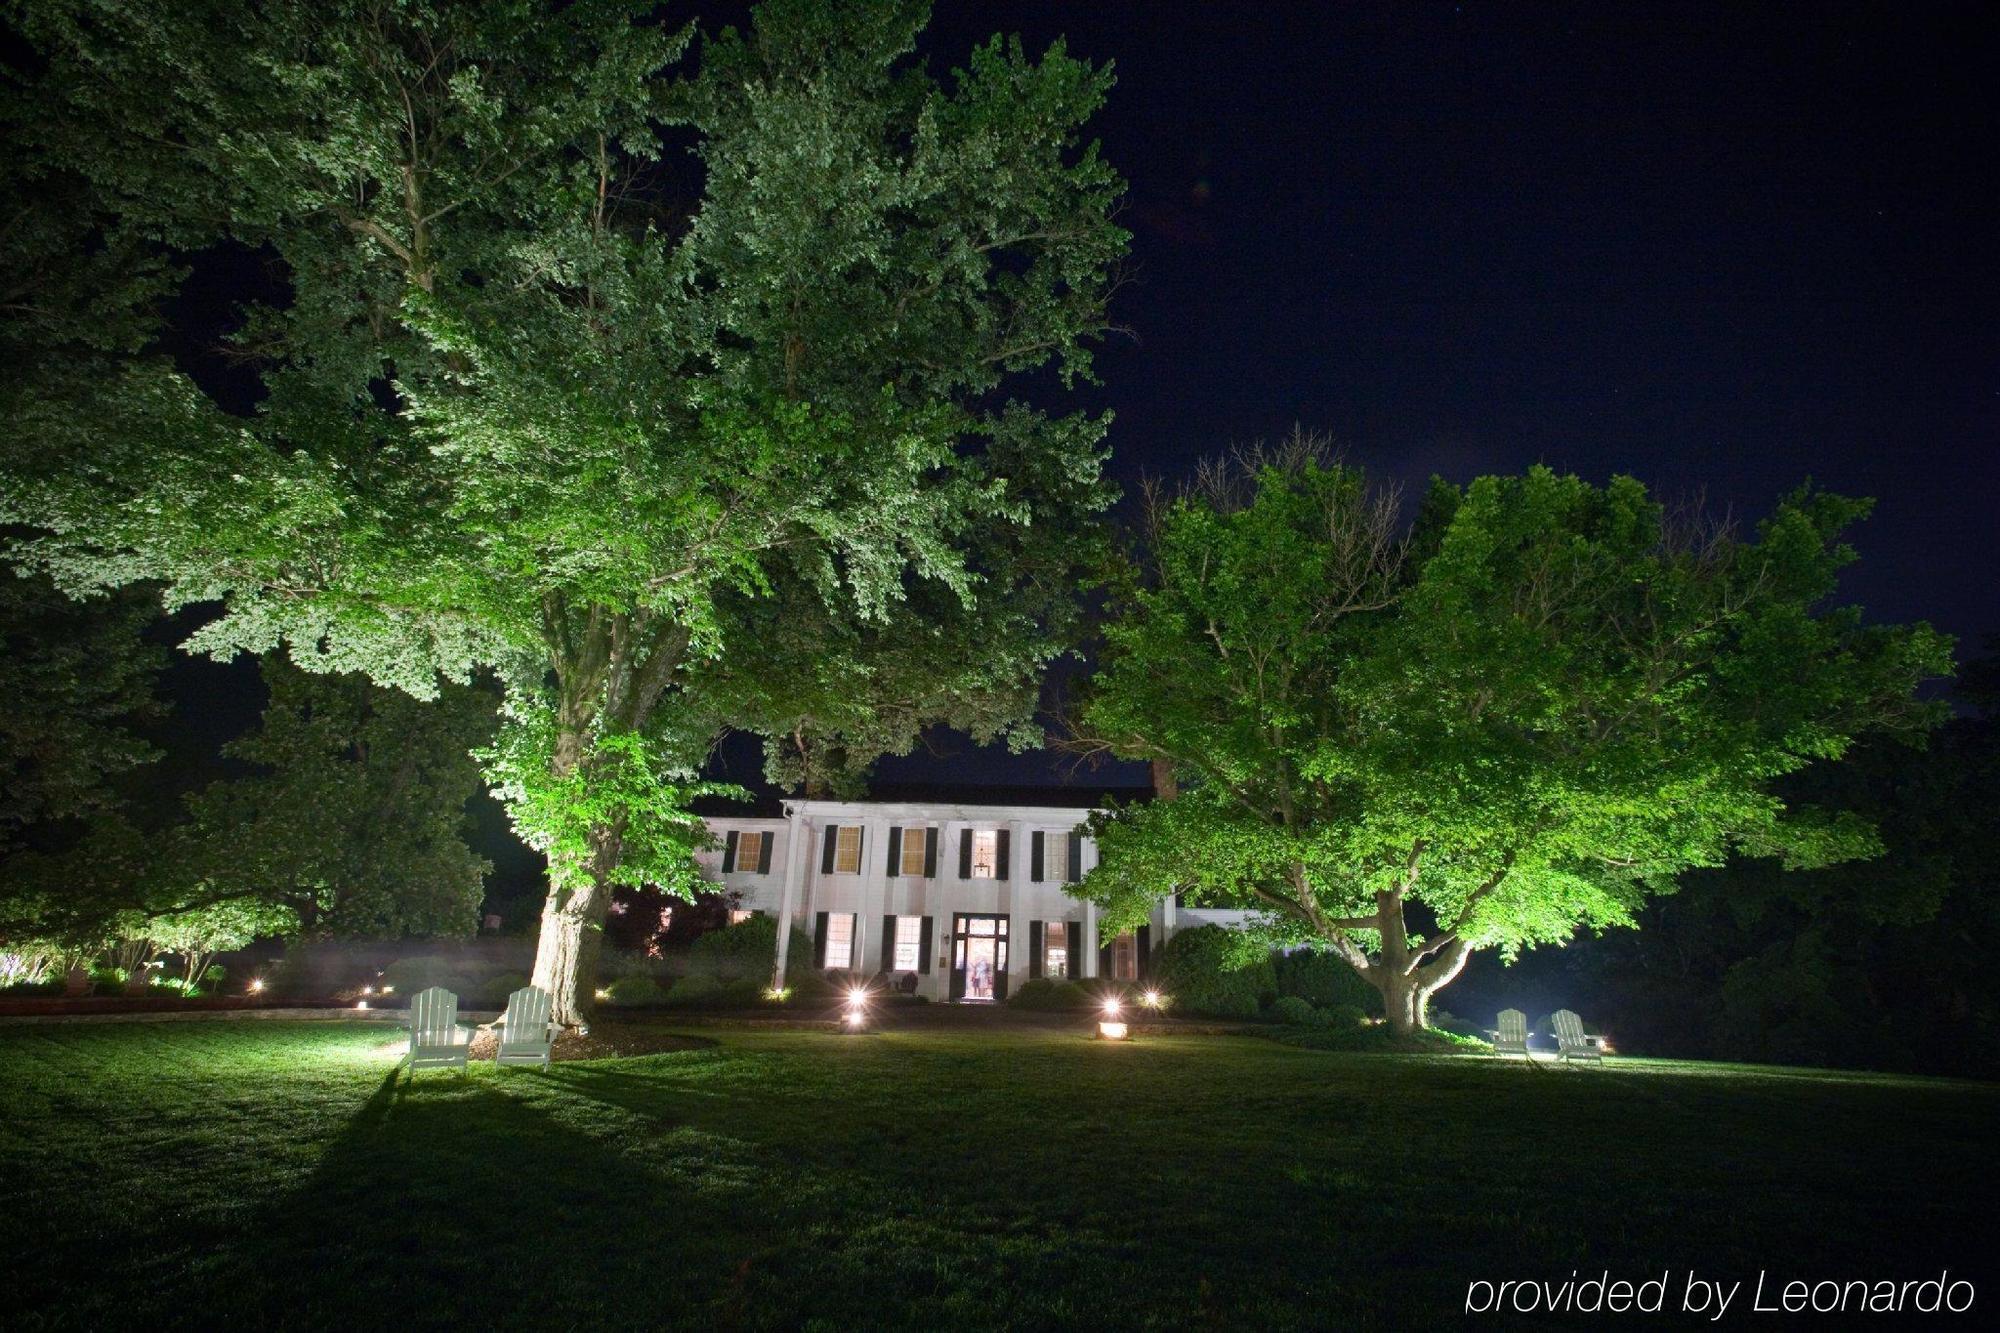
769 802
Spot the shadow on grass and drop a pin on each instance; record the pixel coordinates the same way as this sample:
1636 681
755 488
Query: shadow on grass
491 1199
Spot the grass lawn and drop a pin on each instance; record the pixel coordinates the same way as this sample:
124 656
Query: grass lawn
237 1174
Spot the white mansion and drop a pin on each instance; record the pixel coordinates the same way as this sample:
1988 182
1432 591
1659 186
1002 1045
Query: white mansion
966 899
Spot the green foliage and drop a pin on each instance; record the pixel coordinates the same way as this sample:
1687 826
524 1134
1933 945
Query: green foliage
630 992
352 821
1322 980
1292 1009
1344 1016
1206 971
1535 706
747 951
1050 994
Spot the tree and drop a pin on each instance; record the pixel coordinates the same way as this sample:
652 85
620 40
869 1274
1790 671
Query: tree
352 823
1537 705
549 396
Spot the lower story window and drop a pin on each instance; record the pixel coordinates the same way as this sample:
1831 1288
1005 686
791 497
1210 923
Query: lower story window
1055 949
909 936
738 916
840 939
1125 957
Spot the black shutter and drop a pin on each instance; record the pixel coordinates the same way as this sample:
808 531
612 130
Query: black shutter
1035 841
1001 853
819 940
930 857
1104 959
924 939
965 853
1034 948
826 853
729 852
1075 858
888 942
895 851
1145 967
764 854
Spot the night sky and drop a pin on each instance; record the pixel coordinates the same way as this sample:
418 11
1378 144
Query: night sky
1721 248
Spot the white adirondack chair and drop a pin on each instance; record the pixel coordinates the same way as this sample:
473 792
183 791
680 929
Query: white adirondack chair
436 1040
1571 1044
1511 1037
526 1031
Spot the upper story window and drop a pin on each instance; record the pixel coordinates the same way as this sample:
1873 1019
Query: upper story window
915 843
746 853
750 850
985 853
847 850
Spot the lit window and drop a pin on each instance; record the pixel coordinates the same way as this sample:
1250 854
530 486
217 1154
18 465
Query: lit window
1055 949
915 841
840 939
738 916
847 850
986 854
749 851
909 934
1125 958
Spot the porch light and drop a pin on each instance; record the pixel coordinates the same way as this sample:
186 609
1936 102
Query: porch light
256 985
1152 999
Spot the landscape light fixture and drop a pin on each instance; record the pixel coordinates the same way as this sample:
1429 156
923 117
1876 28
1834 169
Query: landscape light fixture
256 985
1111 1027
855 1018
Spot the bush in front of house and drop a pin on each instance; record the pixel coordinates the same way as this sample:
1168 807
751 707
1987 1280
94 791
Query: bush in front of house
1322 980
1050 994
1343 1016
1294 1010
632 992
1209 971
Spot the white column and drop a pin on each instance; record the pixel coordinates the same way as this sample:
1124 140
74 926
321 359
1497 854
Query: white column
1169 918
795 850
873 888
1013 894
1089 938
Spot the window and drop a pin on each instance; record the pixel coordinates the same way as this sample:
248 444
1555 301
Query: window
1125 958
986 854
749 851
840 938
909 935
739 915
847 850
1055 949
916 842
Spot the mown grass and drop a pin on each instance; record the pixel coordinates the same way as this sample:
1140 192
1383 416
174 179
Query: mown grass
281 1175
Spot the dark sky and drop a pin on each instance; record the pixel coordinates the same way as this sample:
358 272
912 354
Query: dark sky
1721 248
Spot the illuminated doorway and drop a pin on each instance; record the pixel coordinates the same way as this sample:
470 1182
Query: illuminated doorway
979 958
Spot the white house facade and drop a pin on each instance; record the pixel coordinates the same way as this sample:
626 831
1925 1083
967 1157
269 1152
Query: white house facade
956 902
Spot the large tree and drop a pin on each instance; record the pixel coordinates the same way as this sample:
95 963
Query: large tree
585 347
1534 706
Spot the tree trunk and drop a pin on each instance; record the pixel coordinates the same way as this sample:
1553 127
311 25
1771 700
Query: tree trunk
573 930
1405 981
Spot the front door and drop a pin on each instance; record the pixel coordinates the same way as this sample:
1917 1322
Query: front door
979 958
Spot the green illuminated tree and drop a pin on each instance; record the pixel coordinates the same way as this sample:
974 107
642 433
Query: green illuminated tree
547 393
1524 713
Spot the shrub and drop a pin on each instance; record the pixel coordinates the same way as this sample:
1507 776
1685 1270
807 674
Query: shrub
495 989
1323 980
1292 1009
743 993
1050 994
1209 970
1343 1016
1443 1020
410 975
696 992
630 992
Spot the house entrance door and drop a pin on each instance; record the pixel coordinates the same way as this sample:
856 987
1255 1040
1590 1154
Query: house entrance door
979 958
